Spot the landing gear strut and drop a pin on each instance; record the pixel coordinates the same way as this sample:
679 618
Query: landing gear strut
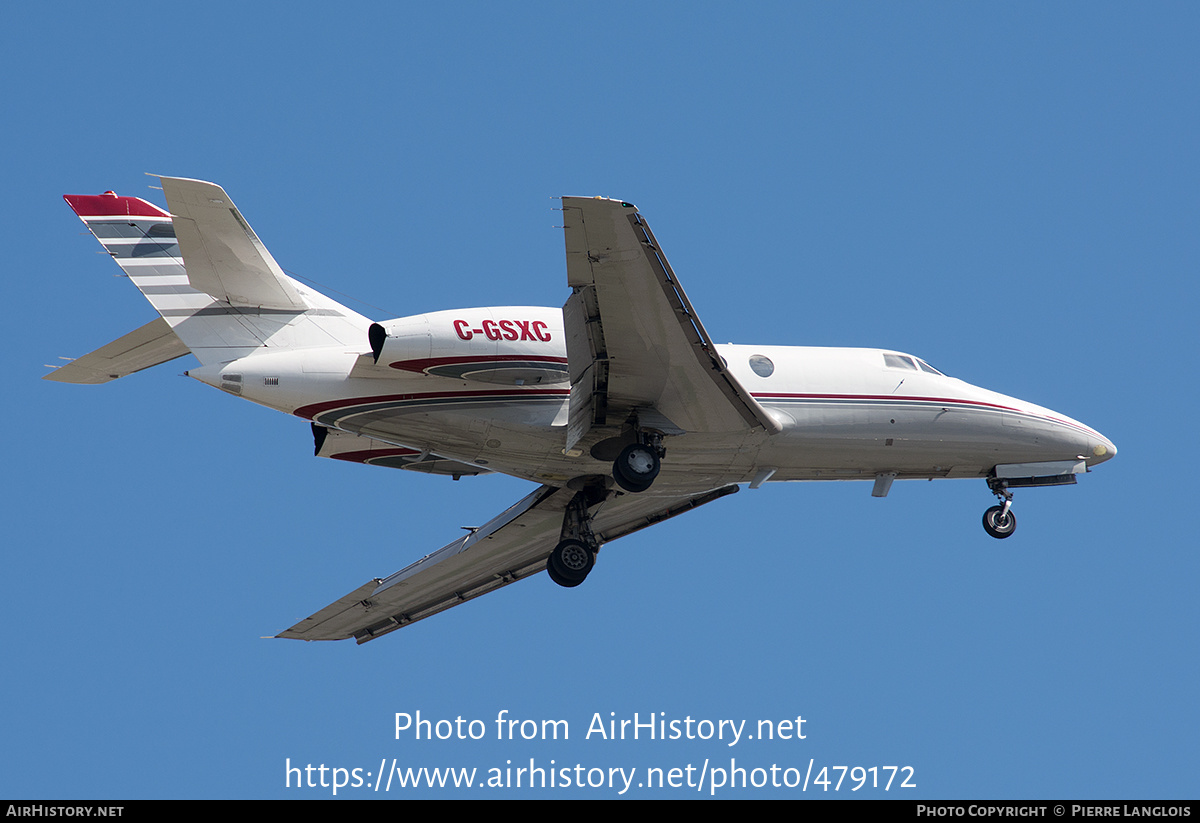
999 521
575 555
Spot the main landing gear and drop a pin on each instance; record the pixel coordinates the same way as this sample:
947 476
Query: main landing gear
999 521
575 555
638 464
568 565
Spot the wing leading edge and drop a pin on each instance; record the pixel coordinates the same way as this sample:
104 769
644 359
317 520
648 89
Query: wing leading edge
510 547
634 342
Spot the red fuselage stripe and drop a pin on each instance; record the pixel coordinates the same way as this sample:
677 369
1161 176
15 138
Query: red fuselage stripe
313 409
431 362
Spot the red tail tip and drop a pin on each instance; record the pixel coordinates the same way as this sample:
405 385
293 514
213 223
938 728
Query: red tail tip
112 204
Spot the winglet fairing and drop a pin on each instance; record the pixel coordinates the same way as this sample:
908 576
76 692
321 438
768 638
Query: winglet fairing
620 406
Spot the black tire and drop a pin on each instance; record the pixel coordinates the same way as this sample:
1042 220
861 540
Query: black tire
997 526
559 579
570 563
636 467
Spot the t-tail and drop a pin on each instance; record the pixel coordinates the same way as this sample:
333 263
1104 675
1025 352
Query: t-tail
218 292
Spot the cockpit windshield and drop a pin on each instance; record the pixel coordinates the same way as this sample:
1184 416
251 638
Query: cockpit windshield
903 361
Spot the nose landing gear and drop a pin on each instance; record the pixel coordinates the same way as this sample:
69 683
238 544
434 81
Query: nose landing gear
999 521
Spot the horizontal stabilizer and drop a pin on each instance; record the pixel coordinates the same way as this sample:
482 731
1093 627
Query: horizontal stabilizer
148 346
223 255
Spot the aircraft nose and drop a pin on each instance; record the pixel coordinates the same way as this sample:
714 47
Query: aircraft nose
1102 449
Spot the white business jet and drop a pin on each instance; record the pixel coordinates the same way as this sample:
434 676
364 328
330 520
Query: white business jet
619 406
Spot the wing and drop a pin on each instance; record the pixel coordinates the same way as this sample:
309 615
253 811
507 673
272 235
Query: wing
508 548
634 342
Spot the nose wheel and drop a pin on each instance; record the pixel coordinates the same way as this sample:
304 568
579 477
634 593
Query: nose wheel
999 521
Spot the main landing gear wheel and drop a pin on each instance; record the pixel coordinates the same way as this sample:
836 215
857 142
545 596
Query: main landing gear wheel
636 467
568 565
999 523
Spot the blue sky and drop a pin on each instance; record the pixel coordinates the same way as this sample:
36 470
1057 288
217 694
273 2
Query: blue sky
1007 190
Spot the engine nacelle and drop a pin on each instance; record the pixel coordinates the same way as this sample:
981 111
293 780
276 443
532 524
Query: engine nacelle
516 345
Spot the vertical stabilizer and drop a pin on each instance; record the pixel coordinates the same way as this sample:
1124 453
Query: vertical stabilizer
210 277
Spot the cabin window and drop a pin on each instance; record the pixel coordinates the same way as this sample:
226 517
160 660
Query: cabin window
762 365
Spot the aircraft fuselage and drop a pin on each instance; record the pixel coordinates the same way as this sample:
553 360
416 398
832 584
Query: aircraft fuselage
490 388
